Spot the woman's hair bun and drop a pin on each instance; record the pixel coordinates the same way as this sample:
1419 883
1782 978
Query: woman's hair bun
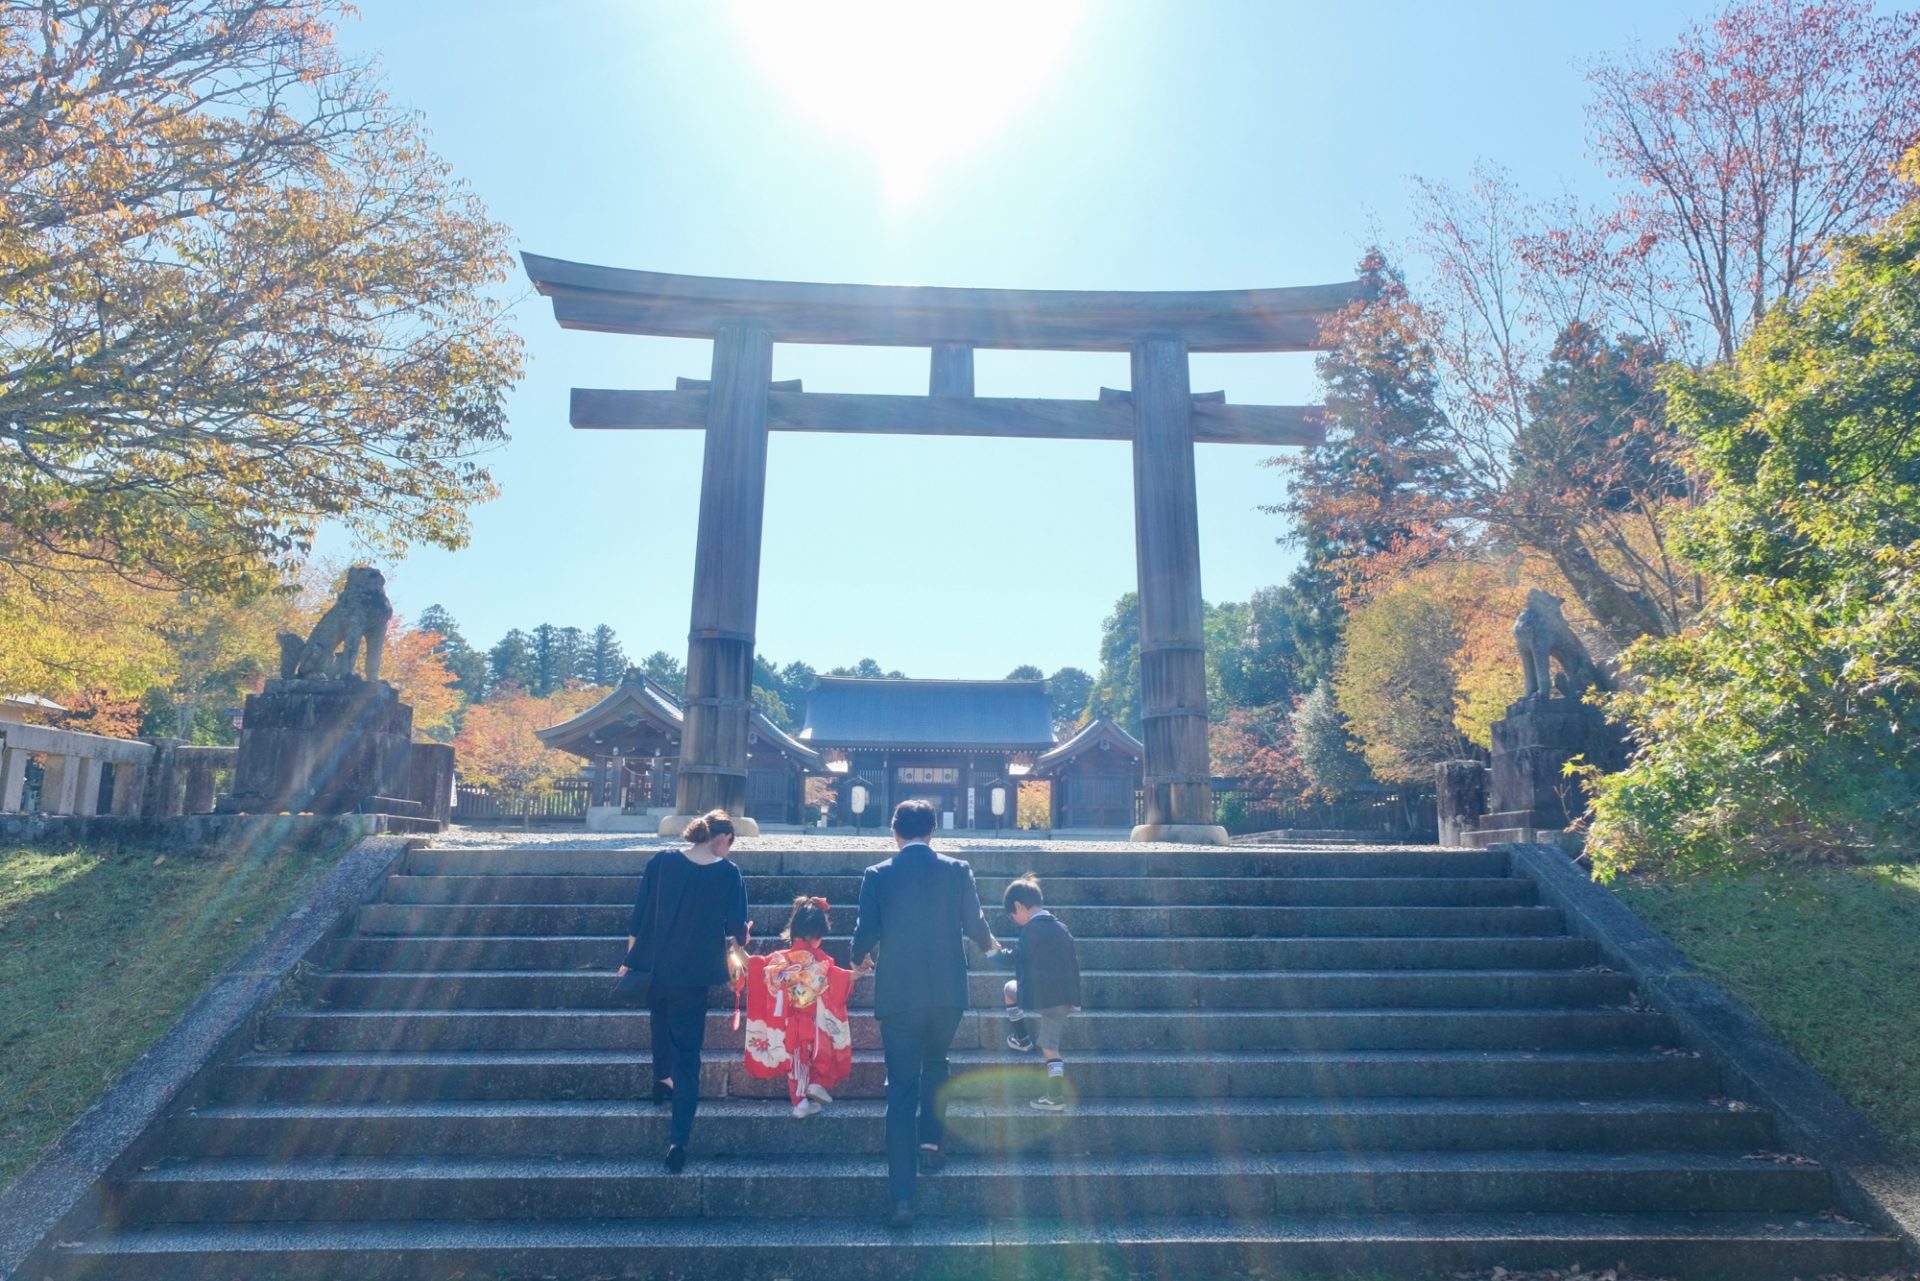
709 825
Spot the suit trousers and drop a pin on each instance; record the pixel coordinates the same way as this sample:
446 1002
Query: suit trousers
679 1030
915 1043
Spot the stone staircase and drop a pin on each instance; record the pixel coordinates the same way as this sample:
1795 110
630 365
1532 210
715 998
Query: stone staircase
1292 1062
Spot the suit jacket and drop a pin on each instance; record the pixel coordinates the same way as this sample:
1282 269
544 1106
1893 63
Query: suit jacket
915 908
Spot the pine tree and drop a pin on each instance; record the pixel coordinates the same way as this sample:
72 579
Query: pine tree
606 661
511 659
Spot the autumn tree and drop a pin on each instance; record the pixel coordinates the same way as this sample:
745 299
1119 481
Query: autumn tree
1383 482
1395 684
239 296
413 664
498 749
1782 725
1747 148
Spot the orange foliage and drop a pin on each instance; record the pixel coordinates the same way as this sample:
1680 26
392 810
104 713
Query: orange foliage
497 746
411 665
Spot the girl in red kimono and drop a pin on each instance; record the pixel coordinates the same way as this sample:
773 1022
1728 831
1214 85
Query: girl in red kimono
797 1012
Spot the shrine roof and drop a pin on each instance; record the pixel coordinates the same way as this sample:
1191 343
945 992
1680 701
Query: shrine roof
1099 733
640 707
848 711
619 300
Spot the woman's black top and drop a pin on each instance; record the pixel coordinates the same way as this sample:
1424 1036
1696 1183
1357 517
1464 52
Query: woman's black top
700 907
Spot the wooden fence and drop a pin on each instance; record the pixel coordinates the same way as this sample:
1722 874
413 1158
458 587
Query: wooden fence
564 802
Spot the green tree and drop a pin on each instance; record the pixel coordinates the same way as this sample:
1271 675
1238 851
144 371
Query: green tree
868 669
1328 755
1069 688
664 670
468 665
511 661
240 297
606 662
1116 690
1026 672
1783 722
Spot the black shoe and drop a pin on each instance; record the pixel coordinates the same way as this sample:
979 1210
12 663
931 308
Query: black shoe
902 1216
1019 1044
932 1160
662 1094
676 1158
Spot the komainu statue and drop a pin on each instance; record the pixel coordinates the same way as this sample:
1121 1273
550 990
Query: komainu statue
359 614
1544 637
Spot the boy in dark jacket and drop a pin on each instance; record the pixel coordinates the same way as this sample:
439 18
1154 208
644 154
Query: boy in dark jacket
1045 989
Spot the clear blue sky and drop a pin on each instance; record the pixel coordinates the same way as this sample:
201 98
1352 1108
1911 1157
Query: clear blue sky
1194 145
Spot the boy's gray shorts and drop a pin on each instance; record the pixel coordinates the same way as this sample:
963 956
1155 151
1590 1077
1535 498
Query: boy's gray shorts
1048 1024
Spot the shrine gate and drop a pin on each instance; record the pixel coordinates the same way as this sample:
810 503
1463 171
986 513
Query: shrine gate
739 404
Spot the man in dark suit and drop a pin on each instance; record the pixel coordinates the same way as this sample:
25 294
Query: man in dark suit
915 908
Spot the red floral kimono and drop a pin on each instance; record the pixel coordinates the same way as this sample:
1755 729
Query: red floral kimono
797 1019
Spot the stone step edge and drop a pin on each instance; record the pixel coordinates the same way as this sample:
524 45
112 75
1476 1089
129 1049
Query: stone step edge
972 1165
263 1240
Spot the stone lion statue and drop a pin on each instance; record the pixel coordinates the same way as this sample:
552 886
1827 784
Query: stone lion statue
359 614
1542 633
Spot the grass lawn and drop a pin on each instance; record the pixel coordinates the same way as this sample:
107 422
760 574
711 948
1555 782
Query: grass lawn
1829 957
101 950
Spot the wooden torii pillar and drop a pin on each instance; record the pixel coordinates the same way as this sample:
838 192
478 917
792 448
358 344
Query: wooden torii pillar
739 404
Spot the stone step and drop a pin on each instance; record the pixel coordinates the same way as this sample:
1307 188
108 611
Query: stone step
598 952
853 1126
428 1031
1701 1247
1062 892
1086 922
1081 1189
558 1074
1104 990
757 858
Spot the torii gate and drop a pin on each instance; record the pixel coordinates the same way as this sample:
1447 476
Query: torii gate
740 404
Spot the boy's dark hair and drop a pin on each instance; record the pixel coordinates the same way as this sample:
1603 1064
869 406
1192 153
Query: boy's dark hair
913 820
1025 891
809 919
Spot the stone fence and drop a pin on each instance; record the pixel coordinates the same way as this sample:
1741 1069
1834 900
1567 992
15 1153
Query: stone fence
87 774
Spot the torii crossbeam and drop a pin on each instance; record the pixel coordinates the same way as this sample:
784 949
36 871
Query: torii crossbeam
740 404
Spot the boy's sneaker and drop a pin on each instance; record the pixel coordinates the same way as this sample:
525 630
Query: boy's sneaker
1022 1044
1046 1104
806 1108
818 1094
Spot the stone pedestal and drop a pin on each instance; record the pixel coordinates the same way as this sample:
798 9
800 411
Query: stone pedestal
1531 746
321 747
1460 798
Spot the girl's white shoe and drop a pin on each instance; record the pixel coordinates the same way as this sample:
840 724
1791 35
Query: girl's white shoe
806 1108
819 1094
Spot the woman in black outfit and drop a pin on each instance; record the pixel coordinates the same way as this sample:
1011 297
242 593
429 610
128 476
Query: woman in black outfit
691 902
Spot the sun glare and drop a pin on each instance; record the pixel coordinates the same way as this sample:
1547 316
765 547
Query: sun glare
914 85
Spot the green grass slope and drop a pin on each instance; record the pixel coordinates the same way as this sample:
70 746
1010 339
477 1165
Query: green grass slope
102 949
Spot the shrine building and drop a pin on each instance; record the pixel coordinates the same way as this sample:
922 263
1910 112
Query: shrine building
631 742
947 742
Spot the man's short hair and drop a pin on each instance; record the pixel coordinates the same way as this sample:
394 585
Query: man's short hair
1025 891
913 820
